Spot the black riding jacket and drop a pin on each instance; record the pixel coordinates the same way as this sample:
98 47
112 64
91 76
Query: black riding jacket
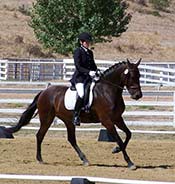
84 62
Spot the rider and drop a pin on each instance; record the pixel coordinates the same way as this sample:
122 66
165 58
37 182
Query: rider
85 69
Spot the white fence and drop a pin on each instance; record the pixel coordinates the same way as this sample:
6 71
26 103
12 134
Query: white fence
69 178
152 73
167 116
48 70
31 70
3 69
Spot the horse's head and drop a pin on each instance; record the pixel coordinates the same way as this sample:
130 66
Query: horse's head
131 80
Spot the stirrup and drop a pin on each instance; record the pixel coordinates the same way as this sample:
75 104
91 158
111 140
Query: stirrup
76 121
87 109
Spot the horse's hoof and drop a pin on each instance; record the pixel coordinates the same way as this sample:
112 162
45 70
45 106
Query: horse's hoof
132 167
40 161
86 163
116 150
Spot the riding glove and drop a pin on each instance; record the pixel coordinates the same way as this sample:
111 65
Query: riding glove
92 73
98 72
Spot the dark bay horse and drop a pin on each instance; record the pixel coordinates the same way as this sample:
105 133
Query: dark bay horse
107 108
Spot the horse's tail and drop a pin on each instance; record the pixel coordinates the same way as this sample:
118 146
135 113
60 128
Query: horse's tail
26 116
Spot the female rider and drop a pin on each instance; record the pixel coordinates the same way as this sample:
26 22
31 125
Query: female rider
85 69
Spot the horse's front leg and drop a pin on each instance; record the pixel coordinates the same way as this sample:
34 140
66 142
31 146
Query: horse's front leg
122 126
112 130
72 140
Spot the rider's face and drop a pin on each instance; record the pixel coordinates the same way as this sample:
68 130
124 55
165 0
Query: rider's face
85 44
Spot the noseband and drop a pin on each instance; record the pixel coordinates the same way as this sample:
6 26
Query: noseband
131 87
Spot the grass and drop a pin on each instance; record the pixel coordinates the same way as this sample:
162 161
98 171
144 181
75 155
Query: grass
141 107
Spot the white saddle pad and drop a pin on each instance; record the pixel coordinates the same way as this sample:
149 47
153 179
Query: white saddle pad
70 98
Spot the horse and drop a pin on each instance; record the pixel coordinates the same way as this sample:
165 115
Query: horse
107 108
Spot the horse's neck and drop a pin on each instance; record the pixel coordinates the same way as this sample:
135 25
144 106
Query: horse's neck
110 87
115 76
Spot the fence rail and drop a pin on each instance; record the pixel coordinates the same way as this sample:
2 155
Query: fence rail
44 71
69 178
168 116
62 69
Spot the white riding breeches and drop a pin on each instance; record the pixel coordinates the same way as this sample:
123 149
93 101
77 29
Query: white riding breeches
80 89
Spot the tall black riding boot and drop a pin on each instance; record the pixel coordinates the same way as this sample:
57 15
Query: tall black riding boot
76 119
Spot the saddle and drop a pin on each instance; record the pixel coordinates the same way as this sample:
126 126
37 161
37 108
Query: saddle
71 96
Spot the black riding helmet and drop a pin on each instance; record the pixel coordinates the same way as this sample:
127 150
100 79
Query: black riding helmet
85 37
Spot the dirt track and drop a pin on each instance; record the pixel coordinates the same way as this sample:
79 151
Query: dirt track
154 157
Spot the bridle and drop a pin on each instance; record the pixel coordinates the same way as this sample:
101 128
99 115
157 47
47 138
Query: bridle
118 86
112 84
131 87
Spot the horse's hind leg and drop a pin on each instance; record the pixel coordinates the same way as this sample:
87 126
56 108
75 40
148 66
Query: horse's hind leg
73 142
45 122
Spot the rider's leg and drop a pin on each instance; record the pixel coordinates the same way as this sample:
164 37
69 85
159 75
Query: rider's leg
79 103
77 110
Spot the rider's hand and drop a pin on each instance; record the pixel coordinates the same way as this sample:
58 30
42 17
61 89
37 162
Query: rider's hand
98 72
92 73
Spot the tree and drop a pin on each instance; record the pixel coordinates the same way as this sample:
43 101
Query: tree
57 23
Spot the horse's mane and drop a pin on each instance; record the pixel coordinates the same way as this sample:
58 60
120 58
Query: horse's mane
112 68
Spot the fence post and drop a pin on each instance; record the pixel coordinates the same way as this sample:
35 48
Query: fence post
6 70
64 69
174 109
3 69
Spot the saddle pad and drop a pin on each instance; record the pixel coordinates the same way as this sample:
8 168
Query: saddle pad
71 96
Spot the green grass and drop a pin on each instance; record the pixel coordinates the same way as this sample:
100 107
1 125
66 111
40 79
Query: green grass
142 107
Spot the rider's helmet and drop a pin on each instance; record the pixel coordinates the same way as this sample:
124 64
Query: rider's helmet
85 37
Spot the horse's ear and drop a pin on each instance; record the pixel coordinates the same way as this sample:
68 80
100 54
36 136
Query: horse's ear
138 62
128 62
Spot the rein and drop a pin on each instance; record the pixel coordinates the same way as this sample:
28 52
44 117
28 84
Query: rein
112 84
100 75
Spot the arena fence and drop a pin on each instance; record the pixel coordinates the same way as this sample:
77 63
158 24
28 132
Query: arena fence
132 117
98 130
69 178
152 73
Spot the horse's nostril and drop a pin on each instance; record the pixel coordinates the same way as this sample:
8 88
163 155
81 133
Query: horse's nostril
139 95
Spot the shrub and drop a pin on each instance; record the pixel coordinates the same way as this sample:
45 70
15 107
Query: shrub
160 4
24 9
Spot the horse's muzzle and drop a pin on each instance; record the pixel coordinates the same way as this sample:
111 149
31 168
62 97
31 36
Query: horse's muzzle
136 95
